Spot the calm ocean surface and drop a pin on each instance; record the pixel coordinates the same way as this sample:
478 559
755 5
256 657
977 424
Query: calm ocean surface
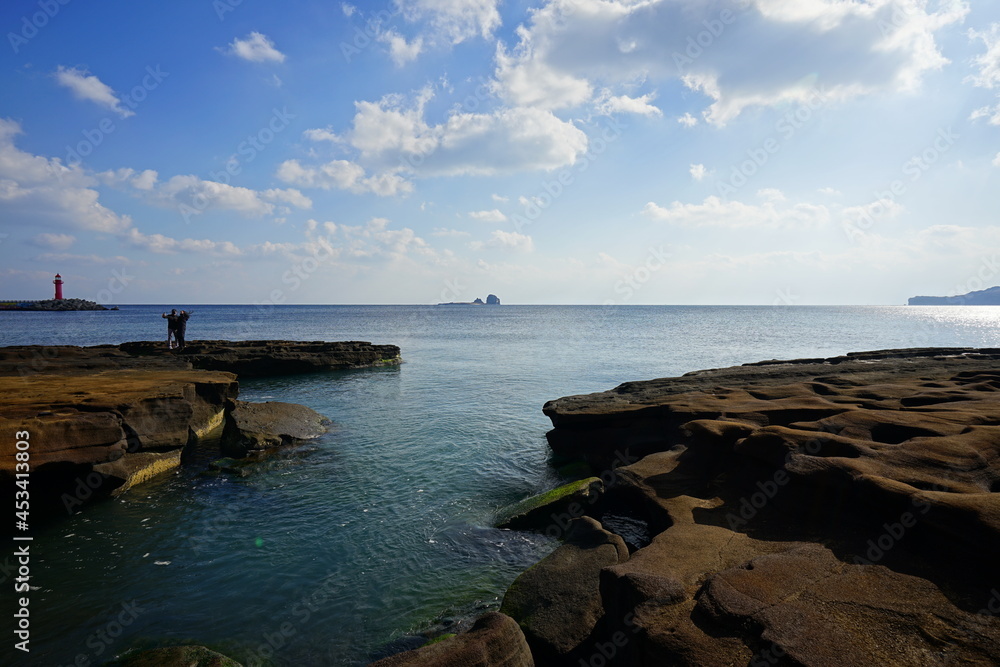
324 555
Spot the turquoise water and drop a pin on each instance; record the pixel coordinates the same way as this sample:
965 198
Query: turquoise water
329 552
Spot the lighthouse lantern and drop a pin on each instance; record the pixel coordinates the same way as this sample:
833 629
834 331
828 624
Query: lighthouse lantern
58 282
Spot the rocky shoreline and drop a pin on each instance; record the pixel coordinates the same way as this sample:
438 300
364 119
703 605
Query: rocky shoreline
810 512
805 512
102 419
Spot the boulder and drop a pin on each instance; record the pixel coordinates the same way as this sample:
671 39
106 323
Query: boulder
494 641
252 427
557 602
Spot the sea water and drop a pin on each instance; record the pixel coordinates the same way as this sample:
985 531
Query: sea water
381 529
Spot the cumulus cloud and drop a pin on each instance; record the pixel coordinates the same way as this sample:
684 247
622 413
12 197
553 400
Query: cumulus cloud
39 190
512 241
400 50
376 239
570 49
609 104
67 258
54 241
988 70
453 21
342 175
698 172
192 195
393 143
714 212
493 216
256 48
86 86
687 120
988 63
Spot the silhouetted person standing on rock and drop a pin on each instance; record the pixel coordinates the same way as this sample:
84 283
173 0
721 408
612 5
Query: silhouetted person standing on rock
172 319
182 320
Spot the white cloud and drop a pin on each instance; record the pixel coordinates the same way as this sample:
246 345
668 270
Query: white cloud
67 258
256 48
772 195
193 196
687 120
493 216
608 104
453 20
996 160
831 192
54 241
86 86
987 63
499 198
454 233
992 113
342 175
40 190
569 49
160 244
145 180
400 50
348 10
394 143
511 241
376 239
714 212
864 214
698 172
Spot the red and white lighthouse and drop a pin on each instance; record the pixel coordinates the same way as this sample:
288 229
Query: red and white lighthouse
58 282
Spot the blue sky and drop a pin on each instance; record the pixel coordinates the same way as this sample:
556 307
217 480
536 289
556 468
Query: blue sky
571 151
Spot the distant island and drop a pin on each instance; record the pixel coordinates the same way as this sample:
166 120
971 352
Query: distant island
491 300
53 304
986 297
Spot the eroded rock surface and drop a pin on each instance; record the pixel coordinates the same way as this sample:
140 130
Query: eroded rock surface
817 512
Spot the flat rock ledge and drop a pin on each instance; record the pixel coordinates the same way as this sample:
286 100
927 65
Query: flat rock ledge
814 512
102 419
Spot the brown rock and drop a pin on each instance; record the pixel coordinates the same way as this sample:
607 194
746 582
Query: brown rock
257 426
257 358
816 610
557 602
818 512
494 641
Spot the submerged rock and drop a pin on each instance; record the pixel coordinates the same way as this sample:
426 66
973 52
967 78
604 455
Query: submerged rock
176 656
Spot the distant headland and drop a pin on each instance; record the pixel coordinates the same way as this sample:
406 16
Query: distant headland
491 300
986 297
